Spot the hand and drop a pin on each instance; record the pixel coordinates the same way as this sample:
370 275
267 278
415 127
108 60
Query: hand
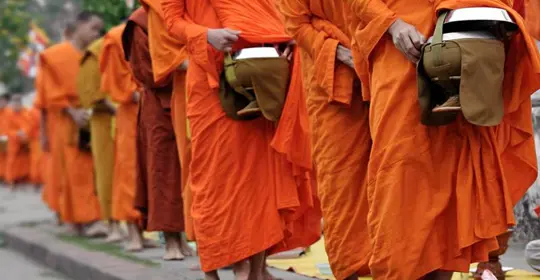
136 97
288 52
407 39
80 117
344 55
184 65
222 39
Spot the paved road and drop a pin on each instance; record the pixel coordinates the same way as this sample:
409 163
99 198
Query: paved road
15 267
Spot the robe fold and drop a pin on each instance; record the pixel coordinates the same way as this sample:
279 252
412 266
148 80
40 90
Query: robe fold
340 130
18 150
167 53
71 176
159 189
251 181
439 196
37 159
3 152
101 140
118 81
532 17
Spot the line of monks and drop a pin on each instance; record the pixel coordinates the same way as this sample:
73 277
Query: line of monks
134 131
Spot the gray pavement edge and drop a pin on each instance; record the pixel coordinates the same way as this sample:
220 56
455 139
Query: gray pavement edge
78 263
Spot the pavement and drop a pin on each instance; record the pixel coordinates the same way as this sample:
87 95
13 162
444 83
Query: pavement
28 231
34 249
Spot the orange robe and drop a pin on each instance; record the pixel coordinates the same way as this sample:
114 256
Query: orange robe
36 154
159 193
532 17
340 129
118 81
439 196
250 180
18 152
70 183
167 53
3 152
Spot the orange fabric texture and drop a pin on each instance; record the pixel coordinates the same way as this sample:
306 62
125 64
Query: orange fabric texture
118 81
167 54
242 173
69 187
18 152
457 184
36 154
3 154
340 128
532 17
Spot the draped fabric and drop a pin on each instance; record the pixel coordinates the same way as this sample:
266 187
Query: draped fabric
454 186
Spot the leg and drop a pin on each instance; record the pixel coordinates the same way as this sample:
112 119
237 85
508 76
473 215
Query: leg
212 275
439 275
172 246
135 239
115 232
257 265
241 270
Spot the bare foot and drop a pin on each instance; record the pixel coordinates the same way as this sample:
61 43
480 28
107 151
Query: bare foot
73 230
186 249
173 251
134 246
135 239
97 230
149 243
212 275
195 267
241 270
269 276
115 235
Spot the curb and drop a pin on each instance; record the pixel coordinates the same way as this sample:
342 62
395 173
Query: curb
77 263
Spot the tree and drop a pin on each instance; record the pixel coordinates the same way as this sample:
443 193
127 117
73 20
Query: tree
14 24
112 11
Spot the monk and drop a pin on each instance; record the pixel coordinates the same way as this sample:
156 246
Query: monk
238 167
71 178
18 152
118 81
159 188
102 142
532 17
169 58
37 162
439 196
4 101
322 30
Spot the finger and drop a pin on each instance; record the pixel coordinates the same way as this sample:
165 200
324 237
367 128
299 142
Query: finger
230 37
232 31
409 47
416 39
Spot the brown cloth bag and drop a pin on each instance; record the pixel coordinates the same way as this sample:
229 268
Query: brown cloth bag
471 68
263 79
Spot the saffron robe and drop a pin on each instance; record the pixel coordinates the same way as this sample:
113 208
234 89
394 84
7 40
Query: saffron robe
18 152
340 129
101 141
159 189
37 159
167 54
3 152
439 196
118 81
71 175
250 180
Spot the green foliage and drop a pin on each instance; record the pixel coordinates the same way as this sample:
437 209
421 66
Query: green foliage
14 25
112 11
